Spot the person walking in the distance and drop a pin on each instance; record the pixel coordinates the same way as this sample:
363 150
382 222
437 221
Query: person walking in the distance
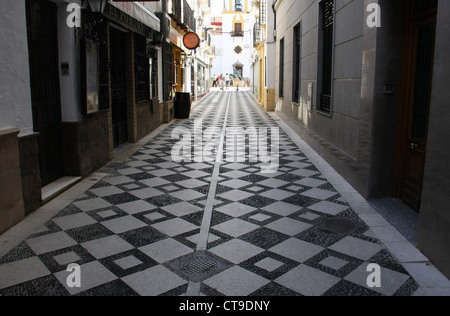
227 80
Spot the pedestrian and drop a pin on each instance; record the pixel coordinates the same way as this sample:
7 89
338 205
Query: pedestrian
222 82
227 80
214 82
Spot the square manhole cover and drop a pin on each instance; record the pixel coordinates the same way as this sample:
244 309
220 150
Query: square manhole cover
199 266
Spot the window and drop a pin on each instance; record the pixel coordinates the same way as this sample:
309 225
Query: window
154 73
296 73
142 69
281 68
238 6
326 54
238 32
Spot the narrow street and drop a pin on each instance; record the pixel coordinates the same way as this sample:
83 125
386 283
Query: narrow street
148 225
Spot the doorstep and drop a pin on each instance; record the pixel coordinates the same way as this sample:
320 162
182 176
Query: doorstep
54 189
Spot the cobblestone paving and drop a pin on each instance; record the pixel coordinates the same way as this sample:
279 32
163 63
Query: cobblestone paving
153 226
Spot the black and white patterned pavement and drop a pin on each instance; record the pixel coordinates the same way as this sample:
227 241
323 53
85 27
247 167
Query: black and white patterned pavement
151 226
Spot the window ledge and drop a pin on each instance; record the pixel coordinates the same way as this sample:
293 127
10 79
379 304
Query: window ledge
327 114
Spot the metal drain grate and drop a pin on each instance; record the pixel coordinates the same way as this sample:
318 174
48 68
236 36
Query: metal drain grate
199 266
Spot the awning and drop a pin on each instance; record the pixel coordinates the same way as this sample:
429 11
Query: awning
121 10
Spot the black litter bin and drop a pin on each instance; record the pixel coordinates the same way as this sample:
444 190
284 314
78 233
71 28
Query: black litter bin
182 105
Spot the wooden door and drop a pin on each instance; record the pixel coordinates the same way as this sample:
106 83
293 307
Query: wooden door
416 100
45 93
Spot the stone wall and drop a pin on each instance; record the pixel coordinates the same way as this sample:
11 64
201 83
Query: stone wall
434 226
11 196
87 144
31 174
148 117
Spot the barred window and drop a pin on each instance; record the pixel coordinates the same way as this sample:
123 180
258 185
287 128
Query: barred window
326 55
281 68
296 74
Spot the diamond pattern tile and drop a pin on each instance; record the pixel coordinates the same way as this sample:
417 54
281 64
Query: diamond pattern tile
140 215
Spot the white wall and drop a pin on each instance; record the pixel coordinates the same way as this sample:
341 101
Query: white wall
15 95
69 52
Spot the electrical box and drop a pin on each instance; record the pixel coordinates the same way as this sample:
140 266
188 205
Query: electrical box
310 96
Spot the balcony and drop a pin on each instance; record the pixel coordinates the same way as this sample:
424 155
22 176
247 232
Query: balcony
237 34
183 15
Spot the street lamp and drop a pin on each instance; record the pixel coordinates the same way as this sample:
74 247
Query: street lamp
97 5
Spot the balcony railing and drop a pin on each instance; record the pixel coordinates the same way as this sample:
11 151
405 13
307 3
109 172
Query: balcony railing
189 19
177 11
237 34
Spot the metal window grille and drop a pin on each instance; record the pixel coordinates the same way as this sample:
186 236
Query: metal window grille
296 79
262 12
281 68
142 69
327 9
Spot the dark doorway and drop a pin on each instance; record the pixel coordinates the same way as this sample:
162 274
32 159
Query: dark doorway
118 87
418 56
45 93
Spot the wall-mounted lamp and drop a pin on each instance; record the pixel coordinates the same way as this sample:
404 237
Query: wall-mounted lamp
97 5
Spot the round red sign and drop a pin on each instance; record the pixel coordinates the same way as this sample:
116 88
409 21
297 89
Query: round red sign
191 41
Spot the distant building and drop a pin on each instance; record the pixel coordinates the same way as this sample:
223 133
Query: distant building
232 38
263 54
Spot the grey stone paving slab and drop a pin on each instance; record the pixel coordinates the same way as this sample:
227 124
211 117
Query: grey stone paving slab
165 250
107 191
333 263
236 209
319 194
277 195
21 271
50 242
67 258
236 282
391 281
357 248
174 227
92 204
289 226
106 247
187 195
236 227
236 251
296 250
128 262
328 208
269 264
123 224
136 207
308 281
161 279
235 195
74 221
282 208
181 209
93 274
146 193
